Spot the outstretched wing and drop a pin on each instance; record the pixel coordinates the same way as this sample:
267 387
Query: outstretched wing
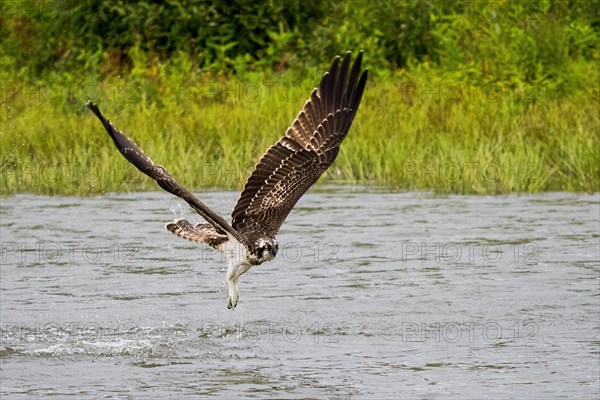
296 161
136 156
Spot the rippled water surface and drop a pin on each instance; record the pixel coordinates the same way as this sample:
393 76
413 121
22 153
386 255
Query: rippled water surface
372 295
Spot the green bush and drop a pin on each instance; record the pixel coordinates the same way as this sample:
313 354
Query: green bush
98 35
485 41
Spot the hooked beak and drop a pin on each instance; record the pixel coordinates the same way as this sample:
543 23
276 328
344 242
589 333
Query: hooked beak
273 251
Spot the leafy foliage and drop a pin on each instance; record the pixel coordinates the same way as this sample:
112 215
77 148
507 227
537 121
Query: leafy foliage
487 40
215 34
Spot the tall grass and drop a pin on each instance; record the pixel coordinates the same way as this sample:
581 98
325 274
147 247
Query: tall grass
413 132
463 97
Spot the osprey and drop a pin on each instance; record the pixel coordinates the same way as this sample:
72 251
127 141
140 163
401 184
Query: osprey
283 174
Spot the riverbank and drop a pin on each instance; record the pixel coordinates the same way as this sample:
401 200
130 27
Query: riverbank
411 133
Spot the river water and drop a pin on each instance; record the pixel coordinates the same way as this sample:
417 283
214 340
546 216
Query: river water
372 295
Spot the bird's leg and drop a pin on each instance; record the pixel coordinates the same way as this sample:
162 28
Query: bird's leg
232 284
234 294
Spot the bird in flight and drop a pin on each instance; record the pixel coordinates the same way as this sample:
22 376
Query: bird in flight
283 174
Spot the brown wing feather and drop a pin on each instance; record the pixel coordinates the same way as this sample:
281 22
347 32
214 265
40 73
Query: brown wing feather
298 159
199 233
134 154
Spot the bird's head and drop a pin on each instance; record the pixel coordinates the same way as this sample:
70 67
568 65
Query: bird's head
266 249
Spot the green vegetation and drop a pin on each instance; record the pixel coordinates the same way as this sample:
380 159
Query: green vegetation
463 97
